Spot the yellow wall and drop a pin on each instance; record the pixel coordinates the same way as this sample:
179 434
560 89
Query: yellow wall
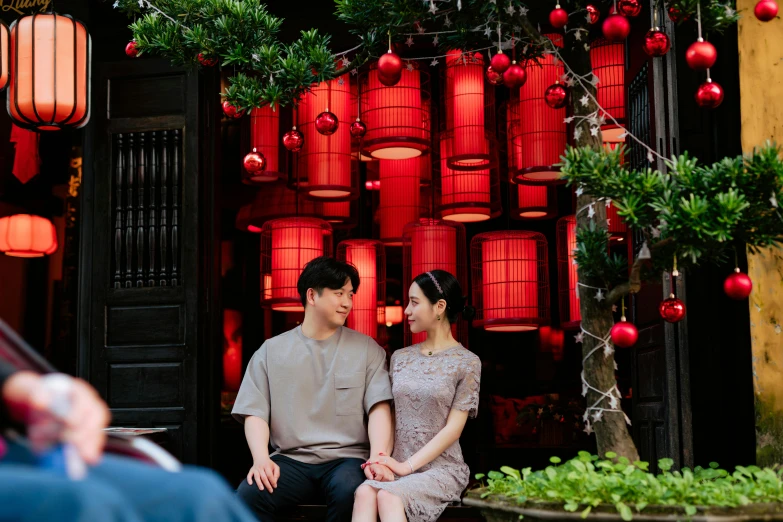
761 91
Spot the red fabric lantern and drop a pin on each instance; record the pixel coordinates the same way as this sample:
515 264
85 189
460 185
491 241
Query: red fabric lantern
537 134
394 315
467 196
397 117
369 302
232 350
287 245
339 214
265 139
608 59
325 161
570 314
533 201
50 68
469 109
400 201
4 55
510 280
274 201
434 244
25 235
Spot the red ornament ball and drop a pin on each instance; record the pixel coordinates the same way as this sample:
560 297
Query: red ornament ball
738 285
709 95
672 310
231 111
515 76
624 334
766 10
555 96
593 14
494 77
206 61
701 55
616 28
630 8
676 16
500 62
358 129
254 162
130 49
293 140
656 43
390 65
389 81
326 123
558 17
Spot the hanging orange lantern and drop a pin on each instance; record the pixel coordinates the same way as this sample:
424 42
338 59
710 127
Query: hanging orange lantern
510 280
50 70
533 201
265 139
467 196
25 235
369 308
608 59
570 314
400 201
394 314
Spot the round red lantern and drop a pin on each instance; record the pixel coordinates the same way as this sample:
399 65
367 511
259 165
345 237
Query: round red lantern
265 140
26 235
400 196
369 301
467 196
608 59
510 280
570 314
50 67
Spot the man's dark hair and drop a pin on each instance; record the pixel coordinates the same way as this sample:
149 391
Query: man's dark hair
326 272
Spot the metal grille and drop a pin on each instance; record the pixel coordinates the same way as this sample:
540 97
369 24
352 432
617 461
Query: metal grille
639 125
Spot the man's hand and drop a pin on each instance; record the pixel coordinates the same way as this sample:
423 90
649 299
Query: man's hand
265 473
378 472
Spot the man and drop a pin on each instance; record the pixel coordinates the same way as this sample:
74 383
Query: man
114 488
320 394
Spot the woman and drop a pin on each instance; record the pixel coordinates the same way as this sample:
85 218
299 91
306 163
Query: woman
436 387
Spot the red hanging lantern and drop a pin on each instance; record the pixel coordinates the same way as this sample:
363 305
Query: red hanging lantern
608 59
325 161
394 314
4 55
510 280
467 196
397 117
26 235
537 134
265 139
287 245
275 201
531 202
469 112
339 214
50 68
434 244
570 314
400 201
369 302
232 350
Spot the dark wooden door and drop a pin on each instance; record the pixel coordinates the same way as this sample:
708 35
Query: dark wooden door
139 302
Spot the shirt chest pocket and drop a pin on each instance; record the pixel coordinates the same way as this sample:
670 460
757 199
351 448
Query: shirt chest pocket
349 393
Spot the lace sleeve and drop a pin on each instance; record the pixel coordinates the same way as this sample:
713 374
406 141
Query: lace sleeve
466 396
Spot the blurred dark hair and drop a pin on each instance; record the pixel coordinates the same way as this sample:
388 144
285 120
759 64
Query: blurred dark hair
325 272
450 291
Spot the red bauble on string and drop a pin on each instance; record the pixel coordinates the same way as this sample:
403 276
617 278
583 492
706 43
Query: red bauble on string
672 310
630 8
676 16
593 13
231 111
131 50
701 55
389 81
500 62
494 77
624 334
555 96
293 140
558 17
616 28
326 123
656 43
766 10
709 95
389 68
358 129
206 61
515 76
254 162
738 285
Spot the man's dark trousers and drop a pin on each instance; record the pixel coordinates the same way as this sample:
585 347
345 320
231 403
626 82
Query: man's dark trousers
332 483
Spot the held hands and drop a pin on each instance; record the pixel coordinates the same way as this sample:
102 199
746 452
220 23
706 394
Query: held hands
265 473
401 469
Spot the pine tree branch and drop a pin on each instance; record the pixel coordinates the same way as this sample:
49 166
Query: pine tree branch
634 283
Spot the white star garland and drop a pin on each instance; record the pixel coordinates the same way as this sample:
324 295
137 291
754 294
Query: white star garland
409 41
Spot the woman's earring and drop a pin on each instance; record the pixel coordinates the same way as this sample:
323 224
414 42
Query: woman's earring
438 318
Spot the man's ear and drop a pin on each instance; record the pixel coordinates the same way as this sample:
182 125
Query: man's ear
311 293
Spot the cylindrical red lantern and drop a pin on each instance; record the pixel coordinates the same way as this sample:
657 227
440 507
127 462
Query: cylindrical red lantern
469 108
340 214
265 139
608 59
510 280
325 161
275 201
369 302
287 245
26 235
533 201
467 196
394 314
232 350
5 55
570 314
432 244
537 133
397 117
358 106
400 201
50 71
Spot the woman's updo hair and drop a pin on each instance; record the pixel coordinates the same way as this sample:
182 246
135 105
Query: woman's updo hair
439 284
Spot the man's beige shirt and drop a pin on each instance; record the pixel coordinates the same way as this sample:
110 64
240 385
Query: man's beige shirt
315 395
